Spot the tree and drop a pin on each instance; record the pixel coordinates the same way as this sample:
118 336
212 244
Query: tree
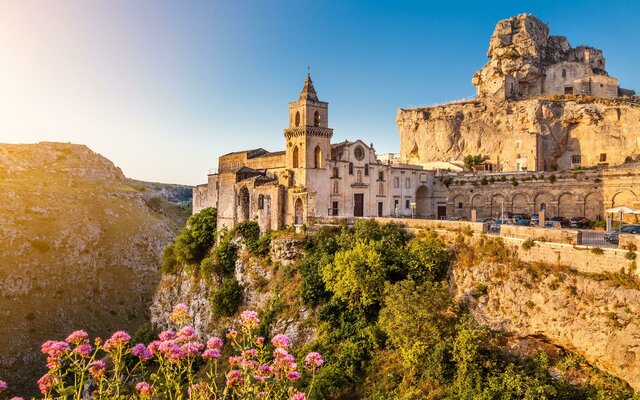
196 237
471 162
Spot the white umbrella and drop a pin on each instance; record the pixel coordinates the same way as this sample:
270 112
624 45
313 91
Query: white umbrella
623 210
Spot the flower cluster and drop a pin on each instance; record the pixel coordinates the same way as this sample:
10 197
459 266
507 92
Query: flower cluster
257 369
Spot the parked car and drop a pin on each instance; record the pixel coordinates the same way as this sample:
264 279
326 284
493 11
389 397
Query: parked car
580 222
523 222
612 235
520 217
564 222
536 218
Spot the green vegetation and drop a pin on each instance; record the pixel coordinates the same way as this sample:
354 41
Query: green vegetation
471 162
528 244
196 237
597 251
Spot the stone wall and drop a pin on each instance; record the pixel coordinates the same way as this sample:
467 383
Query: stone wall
567 236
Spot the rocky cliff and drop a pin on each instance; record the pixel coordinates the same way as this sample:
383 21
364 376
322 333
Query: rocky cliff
79 249
538 133
596 318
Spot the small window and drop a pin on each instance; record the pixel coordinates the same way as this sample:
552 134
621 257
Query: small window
380 175
407 203
366 170
543 206
316 119
460 205
396 182
336 172
350 168
297 118
603 157
576 159
260 202
564 73
334 208
568 90
407 183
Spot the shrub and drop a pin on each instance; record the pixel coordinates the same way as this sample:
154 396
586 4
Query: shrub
552 178
447 180
528 244
514 181
226 254
484 181
597 251
630 255
226 300
196 237
168 260
250 232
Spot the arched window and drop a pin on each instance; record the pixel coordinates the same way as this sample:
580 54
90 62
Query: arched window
350 168
336 172
317 157
297 118
295 157
316 119
260 202
359 176
366 170
564 73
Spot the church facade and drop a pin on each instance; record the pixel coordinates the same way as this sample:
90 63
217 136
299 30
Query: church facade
313 179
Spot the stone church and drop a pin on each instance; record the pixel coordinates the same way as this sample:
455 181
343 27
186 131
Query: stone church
314 179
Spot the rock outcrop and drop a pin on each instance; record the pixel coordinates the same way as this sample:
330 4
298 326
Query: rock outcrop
594 318
79 249
536 134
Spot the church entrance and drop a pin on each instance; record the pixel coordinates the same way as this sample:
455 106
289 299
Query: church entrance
358 205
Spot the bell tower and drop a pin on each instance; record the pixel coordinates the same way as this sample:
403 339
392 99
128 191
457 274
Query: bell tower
308 137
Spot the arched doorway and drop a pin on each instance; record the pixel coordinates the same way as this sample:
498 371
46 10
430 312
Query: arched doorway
624 198
422 206
593 206
477 203
317 157
299 212
519 204
497 206
243 204
567 206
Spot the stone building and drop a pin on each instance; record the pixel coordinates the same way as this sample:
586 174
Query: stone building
526 62
314 179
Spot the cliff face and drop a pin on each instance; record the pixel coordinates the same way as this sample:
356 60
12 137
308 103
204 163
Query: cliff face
79 249
506 132
595 319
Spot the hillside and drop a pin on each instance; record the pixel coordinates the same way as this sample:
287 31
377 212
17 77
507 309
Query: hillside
79 248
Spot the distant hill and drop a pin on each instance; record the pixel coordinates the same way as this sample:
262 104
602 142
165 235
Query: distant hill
79 249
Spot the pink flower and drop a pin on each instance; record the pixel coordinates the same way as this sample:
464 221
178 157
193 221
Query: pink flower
192 348
166 335
249 319
248 353
234 377
214 342
235 360
97 368
298 396
16 398
232 334
84 350
265 370
259 378
180 314
211 354
313 360
293 376
280 341
53 348
3 386
78 337
171 350
141 351
186 334
119 338
144 388
154 346
45 383
259 340
280 353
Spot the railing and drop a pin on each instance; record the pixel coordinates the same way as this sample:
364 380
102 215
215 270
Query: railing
597 239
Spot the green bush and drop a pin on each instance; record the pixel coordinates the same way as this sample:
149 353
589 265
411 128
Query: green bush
226 300
552 178
196 237
597 251
528 244
168 260
226 254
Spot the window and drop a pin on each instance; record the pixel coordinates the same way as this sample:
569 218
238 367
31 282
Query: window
407 203
316 119
460 205
350 168
358 153
336 172
423 177
564 73
380 175
380 188
603 157
568 90
359 176
260 202
334 208
366 170
576 159
317 157
297 118
396 182
396 207
543 206
407 183
295 157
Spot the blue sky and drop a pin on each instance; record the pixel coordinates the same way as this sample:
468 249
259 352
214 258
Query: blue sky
162 88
